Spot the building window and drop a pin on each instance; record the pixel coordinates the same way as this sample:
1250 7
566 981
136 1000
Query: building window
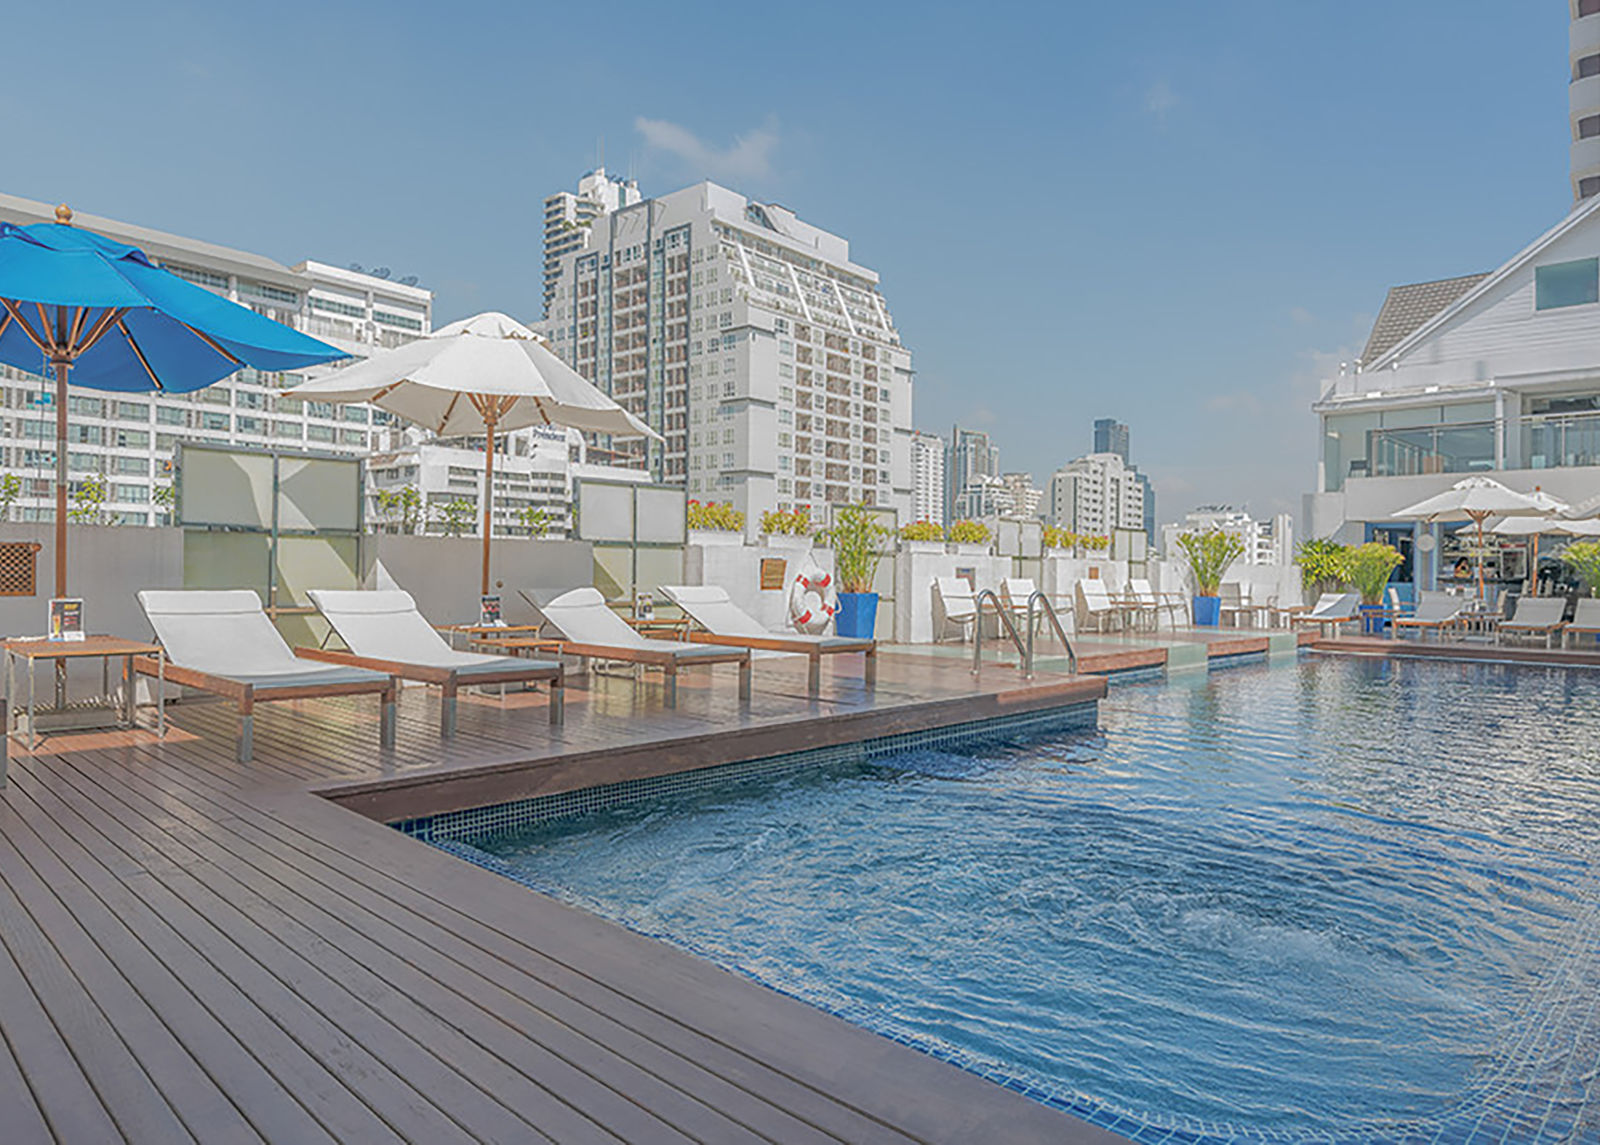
1589 127
1588 7
1562 284
1587 67
1589 187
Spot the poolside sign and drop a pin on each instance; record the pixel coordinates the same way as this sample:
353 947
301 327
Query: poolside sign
66 618
489 611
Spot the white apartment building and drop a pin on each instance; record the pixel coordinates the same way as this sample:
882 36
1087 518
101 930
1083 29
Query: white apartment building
749 340
534 471
127 440
927 477
1269 542
1022 497
568 216
1097 494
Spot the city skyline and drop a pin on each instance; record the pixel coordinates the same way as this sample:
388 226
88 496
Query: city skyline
1272 198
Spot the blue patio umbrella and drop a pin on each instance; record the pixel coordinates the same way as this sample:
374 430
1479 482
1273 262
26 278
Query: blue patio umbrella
76 302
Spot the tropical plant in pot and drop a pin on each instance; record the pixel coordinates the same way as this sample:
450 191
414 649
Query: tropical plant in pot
1584 558
1209 554
858 541
1322 566
1367 569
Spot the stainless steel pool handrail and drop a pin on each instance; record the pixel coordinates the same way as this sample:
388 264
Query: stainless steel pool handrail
1055 622
1005 620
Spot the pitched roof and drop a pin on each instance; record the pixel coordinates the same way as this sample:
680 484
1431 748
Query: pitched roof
1408 308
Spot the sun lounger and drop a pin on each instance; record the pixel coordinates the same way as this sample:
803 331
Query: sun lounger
1535 616
1015 592
1236 604
221 641
1094 605
1436 611
1331 610
1585 621
591 629
1152 603
384 632
725 623
957 605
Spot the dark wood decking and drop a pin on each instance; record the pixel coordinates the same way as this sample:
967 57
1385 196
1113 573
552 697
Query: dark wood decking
1521 652
193 949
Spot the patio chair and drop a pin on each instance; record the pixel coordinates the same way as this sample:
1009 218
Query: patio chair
221 641
956 605
591 629
1435 612
1094 606
1015 592
1535 616
1331 610
383 631
1152 603
725 623
1585 620
1235 604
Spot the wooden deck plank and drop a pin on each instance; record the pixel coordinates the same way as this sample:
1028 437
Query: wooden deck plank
198 944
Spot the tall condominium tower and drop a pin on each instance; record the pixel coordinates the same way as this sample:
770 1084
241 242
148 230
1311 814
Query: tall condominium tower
568 217
748 339
1583 97
1096 494
927 478
972 472
1111 436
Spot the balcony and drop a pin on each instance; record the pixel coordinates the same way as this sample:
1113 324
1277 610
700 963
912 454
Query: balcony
1544 441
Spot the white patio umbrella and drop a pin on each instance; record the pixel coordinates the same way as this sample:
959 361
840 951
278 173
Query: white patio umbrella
479 375
1474 499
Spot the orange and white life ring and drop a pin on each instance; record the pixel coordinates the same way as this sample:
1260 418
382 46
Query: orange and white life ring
813 599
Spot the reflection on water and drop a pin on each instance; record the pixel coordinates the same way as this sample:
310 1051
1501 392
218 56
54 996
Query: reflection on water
1337 895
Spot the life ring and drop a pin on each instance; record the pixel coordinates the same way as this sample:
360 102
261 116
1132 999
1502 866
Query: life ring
813 600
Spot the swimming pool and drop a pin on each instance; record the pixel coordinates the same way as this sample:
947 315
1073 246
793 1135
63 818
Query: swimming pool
1336 899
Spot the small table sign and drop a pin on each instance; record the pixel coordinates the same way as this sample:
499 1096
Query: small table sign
644 606
66 618
489 612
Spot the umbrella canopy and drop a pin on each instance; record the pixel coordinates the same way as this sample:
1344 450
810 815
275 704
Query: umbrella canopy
1474 499
1523 527
480 375
78 302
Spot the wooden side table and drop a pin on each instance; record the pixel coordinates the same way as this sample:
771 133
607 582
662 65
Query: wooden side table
668 628
106 649
476 633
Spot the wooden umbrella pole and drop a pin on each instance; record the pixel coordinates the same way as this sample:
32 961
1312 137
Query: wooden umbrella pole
490 418
1479 520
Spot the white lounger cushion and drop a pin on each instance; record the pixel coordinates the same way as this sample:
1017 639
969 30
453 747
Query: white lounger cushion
713 609
1435 608
225 632
583 617
1588 614
1017 590
1333 606
1537 612
385 625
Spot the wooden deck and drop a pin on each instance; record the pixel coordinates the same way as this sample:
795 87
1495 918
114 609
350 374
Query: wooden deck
1521 652
192 949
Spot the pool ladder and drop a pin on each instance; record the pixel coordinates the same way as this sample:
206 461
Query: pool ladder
1024 649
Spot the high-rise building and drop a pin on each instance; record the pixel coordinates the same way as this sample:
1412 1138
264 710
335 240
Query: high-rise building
927 478
972 470
568 216
1583 98
746 337
124 442
1149 506
1111 436
1095 494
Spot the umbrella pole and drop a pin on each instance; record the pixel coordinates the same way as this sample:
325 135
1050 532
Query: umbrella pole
1480 558
62 366
489 420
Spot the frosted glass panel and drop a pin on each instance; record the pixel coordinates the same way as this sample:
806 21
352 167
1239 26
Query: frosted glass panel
662 515
319 493
219 487
605 511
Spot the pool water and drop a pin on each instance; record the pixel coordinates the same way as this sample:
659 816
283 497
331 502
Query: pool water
1349 899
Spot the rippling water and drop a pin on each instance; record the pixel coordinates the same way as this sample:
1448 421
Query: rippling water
1352 897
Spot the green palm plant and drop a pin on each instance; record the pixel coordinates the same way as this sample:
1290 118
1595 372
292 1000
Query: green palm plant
1584 558
858 541
1210 554
1367 568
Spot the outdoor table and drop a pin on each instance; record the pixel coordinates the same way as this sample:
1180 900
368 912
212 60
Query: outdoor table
486 633
106 648
672 628
520 645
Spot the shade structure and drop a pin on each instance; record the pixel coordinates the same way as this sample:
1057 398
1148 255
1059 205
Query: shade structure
1474 499
485 375
75 302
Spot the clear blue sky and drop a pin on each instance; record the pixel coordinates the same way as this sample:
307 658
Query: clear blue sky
1174 213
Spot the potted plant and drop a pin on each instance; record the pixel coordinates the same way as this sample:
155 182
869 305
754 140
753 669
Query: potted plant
715 523
1322 567
1367 568
922 537
781 529
857 540
1584 557
1210 553
969 539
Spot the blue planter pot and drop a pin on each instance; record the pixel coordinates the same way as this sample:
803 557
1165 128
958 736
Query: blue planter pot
1207 611
1372 621
857 615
